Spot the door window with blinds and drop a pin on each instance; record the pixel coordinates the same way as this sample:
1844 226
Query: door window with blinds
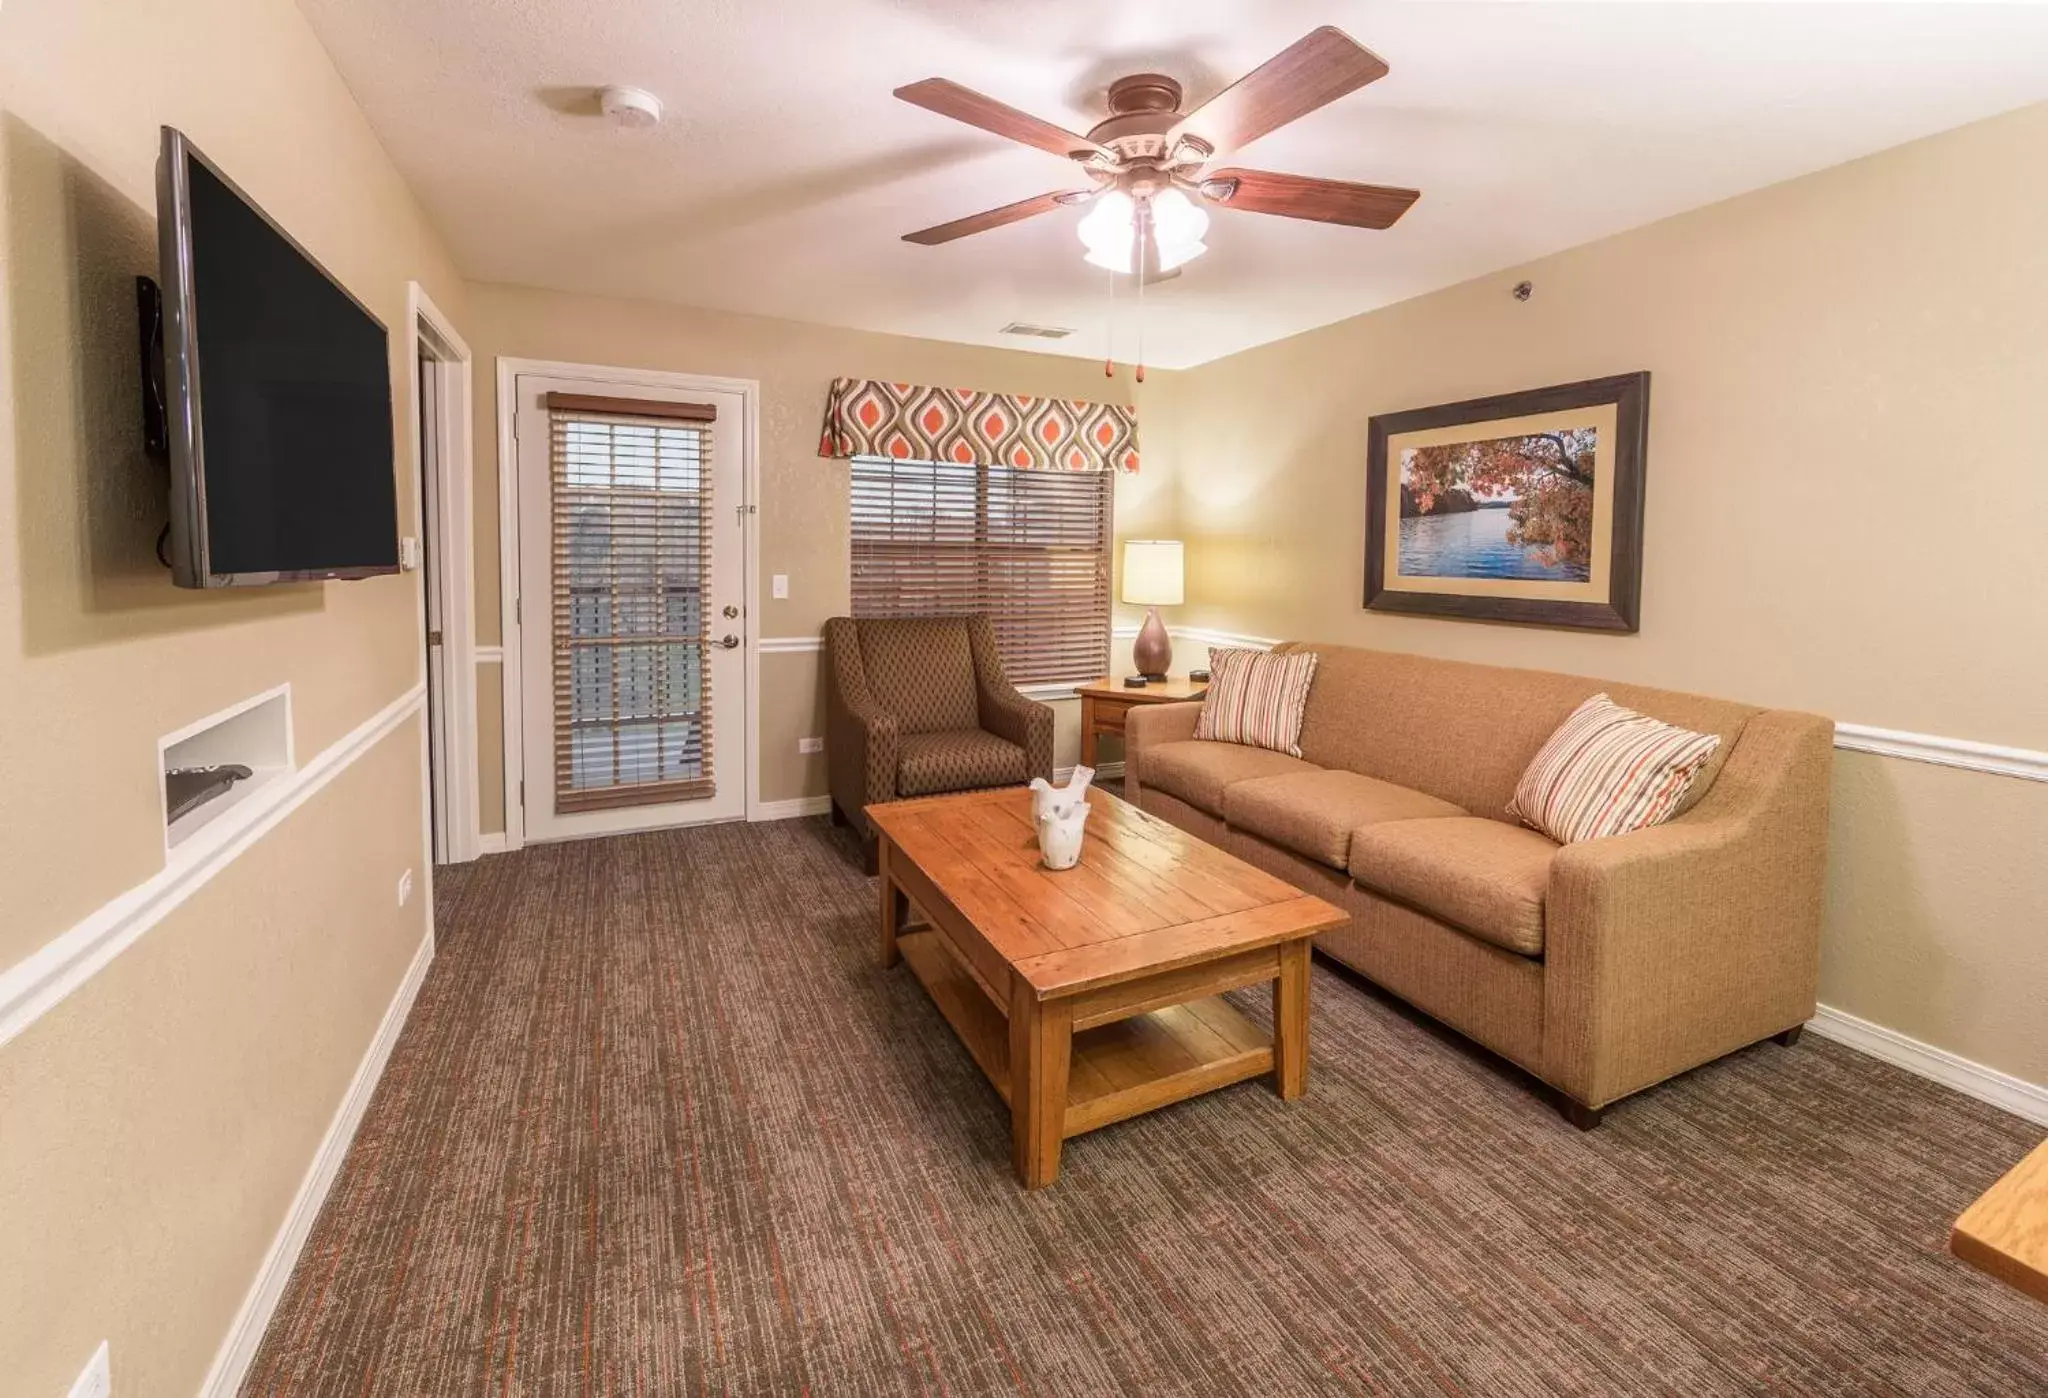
631 495
1028 549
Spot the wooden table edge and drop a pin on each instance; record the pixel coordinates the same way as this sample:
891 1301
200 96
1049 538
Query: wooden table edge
1329 917
2015 1204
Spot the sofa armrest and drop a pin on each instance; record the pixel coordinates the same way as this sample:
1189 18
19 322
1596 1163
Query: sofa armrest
1671 946
860 736
1149 725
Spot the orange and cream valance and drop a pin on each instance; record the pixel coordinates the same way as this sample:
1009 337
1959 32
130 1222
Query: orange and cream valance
866 417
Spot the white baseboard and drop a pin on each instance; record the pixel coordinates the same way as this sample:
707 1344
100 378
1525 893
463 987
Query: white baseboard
238 1351
2001 1090
491 842
791 809
1106 771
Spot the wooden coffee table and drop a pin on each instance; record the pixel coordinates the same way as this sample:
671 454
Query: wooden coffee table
1093 994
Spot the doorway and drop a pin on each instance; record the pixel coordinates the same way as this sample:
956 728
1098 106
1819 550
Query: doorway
441 399
632 525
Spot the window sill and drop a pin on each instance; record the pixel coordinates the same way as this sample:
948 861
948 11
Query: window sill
1046 691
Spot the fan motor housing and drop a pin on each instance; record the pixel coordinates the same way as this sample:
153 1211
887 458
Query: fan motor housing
1143 108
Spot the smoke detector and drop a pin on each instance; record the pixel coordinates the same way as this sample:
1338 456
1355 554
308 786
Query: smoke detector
630 108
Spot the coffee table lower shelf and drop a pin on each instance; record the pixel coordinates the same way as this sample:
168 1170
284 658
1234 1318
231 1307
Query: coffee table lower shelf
1119 1070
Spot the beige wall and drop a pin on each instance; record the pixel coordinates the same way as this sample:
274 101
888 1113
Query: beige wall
803 497
158 1119
1843 515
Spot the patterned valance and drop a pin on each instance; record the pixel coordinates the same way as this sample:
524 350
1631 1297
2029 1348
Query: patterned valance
866 417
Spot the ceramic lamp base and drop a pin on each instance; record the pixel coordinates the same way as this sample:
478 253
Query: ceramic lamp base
1152 653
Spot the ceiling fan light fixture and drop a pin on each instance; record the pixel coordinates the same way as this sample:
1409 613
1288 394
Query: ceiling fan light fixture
1178 224
1107 231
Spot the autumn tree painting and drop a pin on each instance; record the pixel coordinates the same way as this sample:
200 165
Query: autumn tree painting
1544 480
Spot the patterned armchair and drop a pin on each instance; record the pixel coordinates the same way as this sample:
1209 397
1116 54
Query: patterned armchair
920 705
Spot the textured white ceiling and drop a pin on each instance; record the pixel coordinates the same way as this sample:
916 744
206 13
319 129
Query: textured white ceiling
785 173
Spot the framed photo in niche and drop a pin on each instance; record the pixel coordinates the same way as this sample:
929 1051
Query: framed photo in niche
1526 507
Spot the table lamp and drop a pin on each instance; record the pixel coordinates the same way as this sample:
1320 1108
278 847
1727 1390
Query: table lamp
1152 579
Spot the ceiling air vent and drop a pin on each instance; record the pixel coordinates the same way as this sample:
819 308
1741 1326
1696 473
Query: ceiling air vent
1042 332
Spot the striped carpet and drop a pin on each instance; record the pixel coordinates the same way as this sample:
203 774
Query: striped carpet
660 1126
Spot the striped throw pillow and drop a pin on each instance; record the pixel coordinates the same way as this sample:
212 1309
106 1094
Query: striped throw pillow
1256 698
1608 770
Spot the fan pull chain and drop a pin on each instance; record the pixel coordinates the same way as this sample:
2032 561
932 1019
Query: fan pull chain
1109 334
1141 316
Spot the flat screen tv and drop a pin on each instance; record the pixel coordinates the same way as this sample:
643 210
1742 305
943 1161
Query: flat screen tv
277 388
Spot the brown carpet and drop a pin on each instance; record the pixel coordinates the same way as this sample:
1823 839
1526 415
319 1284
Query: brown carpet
659 1125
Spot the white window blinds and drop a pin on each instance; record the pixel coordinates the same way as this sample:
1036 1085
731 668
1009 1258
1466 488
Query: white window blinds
1028 549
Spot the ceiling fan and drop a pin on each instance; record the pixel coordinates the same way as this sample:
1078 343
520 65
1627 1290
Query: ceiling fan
1147 159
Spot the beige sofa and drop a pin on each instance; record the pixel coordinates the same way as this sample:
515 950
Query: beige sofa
1601 967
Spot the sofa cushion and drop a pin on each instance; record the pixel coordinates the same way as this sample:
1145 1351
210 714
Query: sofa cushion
1466 732
921 669
1314 813
1608 770
1198 771
1482 876
1256 698
961 760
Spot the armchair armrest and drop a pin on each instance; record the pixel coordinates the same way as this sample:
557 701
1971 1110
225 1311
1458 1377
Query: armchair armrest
1002 709
1025 722
860 736
1147 726
1671 946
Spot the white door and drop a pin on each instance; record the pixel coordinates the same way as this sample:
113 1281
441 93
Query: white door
631 540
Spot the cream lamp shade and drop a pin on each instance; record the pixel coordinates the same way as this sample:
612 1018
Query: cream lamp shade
1152 572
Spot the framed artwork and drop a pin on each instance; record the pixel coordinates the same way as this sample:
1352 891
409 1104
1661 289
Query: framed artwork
1527 507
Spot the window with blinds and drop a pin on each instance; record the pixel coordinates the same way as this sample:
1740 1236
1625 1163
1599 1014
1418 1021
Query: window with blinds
1028 549
631 488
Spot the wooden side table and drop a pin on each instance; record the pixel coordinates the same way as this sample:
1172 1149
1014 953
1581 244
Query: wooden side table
1106 703
2005 1232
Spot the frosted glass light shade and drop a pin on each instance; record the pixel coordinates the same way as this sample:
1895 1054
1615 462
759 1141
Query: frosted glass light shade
1152 572
1107 229
1178 224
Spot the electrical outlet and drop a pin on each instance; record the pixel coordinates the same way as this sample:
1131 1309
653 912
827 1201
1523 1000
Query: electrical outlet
778 586
408 553
810 744
404 887
98 1380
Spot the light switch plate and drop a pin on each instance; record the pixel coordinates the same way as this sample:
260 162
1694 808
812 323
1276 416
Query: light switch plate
408 553
778 586
404 887
810 744
98 1380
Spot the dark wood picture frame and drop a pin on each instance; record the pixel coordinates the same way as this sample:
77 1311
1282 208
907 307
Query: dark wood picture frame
1630 396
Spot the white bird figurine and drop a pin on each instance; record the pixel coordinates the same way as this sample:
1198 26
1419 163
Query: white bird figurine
1058 813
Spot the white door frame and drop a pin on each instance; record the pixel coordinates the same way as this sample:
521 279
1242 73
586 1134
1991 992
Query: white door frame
749 390
452 763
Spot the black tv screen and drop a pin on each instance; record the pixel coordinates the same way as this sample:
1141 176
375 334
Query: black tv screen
279 396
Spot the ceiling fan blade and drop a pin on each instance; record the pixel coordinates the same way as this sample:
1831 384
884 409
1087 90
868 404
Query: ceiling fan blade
963 104
1308 74
996 218
1298 196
